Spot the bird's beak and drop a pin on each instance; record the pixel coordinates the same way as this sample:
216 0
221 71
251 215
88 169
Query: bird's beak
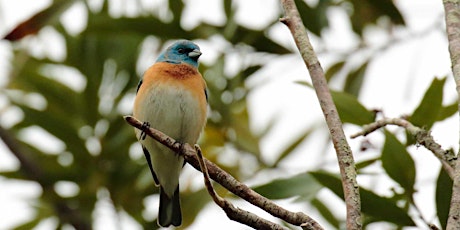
195 53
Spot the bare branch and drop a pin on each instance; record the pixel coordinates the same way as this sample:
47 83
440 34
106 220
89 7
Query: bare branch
225 179
422 137
232 212
344 154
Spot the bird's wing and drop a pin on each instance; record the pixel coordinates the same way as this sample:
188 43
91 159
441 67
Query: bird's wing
139 85
149 162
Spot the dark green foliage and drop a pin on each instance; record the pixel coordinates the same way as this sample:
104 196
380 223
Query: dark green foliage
443 194
398 163
300 185
378 207
428 111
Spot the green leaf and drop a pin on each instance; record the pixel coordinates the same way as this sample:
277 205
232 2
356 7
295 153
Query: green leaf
293 145
193 202
256 39
300 185
333 70
326 213
428 110
365 163
448 111
378 207
355 80
314 18
369 12
443 195
31 224
228 9
351 110
398 163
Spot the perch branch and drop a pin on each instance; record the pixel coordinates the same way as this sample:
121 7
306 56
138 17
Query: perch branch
422 137
452 17
344 155
225 179
232 212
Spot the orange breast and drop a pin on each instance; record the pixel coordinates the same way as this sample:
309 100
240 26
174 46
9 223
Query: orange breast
175 75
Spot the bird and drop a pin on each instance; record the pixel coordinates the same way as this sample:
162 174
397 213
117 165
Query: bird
172 98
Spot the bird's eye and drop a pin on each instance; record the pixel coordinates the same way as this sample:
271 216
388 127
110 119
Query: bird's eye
181 51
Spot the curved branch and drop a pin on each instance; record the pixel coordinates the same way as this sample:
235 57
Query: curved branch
225 179
344 154
232 212
422 137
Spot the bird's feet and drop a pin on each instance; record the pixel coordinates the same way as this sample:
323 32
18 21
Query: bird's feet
144 127
181 146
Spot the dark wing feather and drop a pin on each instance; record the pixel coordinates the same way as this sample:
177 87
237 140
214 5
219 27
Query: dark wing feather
149 162
139 86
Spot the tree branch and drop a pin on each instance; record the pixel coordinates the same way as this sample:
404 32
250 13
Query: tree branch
422 137
225 179
33 172
232 212
344 154
452 12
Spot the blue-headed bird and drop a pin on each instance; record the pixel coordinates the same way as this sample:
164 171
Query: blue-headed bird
171 97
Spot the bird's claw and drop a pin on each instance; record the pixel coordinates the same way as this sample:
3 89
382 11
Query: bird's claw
145 126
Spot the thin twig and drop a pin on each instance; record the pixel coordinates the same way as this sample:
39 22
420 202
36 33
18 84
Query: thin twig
452 12
232 212
225 179
422 137
344 154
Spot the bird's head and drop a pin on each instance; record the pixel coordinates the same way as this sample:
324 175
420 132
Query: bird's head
183 51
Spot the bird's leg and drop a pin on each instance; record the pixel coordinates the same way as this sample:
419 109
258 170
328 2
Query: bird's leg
181 146
145 126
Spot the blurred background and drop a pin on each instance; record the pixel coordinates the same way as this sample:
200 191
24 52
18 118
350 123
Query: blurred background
69 71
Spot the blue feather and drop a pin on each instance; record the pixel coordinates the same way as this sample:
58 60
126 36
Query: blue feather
182 51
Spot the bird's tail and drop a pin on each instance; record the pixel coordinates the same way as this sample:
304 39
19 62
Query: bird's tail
169 209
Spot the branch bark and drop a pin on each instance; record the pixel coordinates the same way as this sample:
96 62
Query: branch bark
422 137
226 180
344 154
232 212
452 17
